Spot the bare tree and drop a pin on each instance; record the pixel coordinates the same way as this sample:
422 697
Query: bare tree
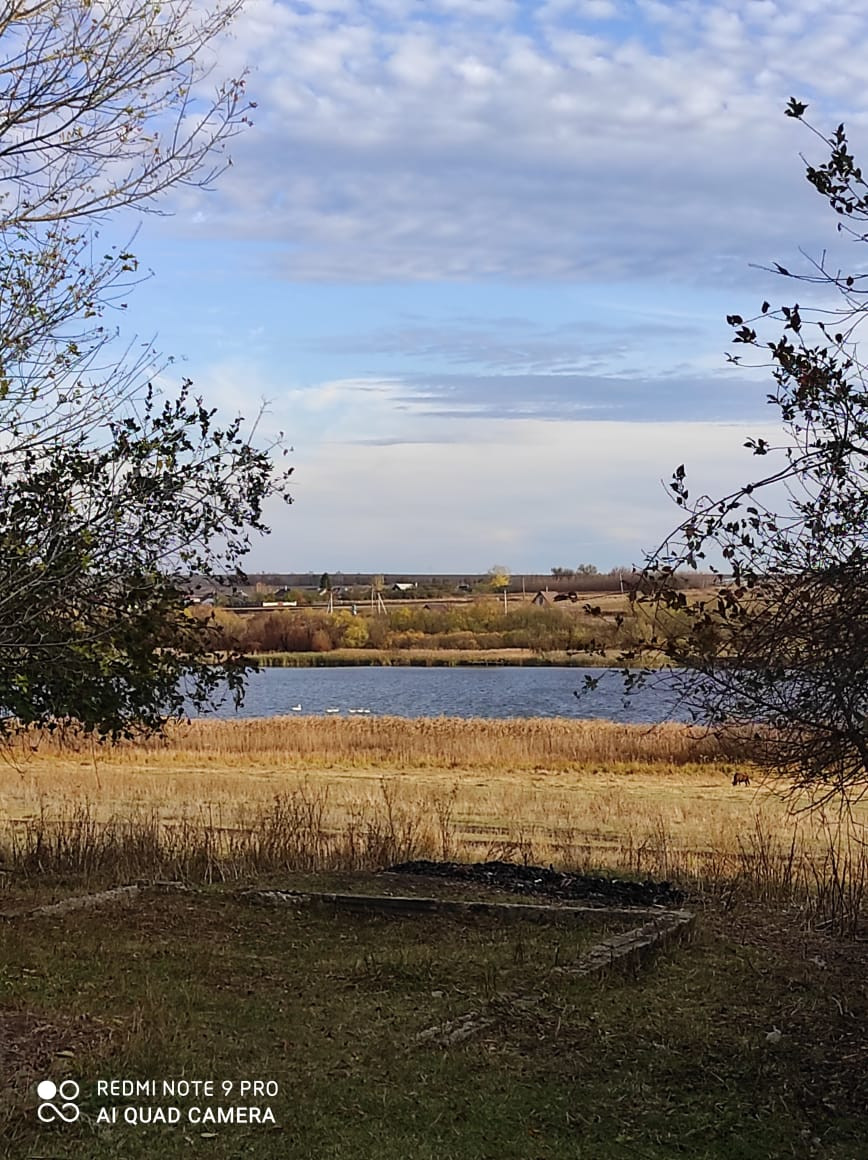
102 106
99 105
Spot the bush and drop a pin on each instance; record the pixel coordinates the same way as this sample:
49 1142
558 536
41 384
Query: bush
378 632
355 634
277 632
465 640
321 641
411 639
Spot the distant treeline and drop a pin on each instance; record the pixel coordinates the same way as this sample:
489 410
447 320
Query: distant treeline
476 625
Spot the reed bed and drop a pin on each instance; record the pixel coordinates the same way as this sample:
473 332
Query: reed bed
218 800
397 742
443 657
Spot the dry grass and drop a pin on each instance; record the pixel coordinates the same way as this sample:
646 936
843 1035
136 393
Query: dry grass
224 799
395 743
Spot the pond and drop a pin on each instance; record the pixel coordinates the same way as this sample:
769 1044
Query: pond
452 692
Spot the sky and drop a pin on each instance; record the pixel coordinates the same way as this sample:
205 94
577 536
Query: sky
476 256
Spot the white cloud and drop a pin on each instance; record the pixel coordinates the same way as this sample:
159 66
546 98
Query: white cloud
527 490
559 140
379 482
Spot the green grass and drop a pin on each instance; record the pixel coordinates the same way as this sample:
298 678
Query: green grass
671 1062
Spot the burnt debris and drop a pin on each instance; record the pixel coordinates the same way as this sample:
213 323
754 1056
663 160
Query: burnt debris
537 880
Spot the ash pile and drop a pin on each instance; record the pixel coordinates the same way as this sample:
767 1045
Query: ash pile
548 882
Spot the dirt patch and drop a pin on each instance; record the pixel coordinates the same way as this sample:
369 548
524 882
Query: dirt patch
32 1046
551 883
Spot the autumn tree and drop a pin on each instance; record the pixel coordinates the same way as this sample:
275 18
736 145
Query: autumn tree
498 577
779 652
110 493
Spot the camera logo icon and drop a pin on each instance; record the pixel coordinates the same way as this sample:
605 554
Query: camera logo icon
66 1093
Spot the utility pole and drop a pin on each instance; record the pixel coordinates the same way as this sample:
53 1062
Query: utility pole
376 589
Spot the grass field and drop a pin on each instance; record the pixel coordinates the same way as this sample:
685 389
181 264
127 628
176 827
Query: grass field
746 1045
442 658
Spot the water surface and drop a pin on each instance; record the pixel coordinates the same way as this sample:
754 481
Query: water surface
451 692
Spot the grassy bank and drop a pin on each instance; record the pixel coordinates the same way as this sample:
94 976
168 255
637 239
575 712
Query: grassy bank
432 658
745 1045
396 743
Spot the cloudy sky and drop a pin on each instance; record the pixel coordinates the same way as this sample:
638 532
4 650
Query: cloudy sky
477 256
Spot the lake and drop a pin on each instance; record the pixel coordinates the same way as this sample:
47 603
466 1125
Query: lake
450 692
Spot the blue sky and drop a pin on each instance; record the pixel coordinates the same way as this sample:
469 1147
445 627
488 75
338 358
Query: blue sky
477 256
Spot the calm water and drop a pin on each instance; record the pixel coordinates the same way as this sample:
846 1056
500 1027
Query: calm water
450 692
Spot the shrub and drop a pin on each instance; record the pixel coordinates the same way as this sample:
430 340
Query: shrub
321 641
465 640
355 634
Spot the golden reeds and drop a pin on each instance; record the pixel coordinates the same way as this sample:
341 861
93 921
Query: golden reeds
234 798
396 742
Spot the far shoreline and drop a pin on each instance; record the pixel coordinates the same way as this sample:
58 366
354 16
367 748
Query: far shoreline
443 658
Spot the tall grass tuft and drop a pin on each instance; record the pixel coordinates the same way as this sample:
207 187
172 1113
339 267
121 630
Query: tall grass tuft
303 831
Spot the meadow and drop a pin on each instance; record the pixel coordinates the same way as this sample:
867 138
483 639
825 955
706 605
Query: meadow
224 800
746 1043
331 1009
